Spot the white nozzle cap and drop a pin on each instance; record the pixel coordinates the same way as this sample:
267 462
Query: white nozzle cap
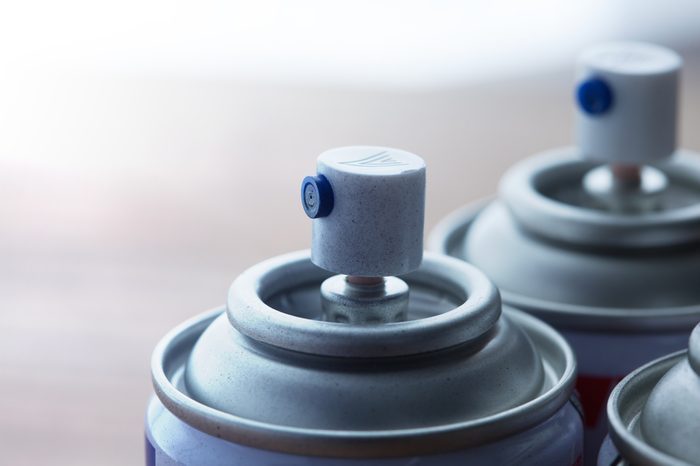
374 225
627 96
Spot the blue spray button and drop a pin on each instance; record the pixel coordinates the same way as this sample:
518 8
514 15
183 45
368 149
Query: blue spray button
594 96
316 196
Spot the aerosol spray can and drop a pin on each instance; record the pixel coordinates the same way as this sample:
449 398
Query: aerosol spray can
654 413
308 367
601 240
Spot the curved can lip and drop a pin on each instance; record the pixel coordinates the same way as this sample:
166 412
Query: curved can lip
520 188
624 409
449 233
172 353
250 315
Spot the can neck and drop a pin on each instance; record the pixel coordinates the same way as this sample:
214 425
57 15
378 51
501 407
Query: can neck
364 300
625 189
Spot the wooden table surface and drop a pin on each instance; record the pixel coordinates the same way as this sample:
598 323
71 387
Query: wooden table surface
129 204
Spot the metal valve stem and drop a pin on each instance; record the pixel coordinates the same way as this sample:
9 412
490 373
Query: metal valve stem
626 188
364 300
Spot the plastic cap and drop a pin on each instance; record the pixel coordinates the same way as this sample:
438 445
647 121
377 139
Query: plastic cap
375 225
627 100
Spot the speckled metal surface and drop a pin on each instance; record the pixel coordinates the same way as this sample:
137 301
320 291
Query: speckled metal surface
457 374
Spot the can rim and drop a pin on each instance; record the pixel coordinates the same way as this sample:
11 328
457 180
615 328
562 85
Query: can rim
249 314
624 407
171 354
448 233
534 211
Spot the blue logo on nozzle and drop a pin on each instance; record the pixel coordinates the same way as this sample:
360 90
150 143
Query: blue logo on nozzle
594 96
316 196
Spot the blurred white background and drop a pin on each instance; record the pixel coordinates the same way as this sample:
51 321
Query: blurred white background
150 151
390 43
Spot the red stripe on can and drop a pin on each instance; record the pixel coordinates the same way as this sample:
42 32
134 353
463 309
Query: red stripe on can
594 391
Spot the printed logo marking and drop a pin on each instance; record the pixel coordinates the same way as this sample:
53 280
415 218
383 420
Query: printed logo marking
380 159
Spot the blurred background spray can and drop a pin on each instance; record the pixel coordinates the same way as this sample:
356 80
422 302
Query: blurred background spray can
330 358
654 413
601 240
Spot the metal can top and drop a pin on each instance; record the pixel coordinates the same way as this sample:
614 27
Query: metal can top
546 196
654 413
552 253
269 374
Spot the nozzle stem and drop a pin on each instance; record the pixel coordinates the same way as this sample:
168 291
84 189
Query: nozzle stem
627 176
364 281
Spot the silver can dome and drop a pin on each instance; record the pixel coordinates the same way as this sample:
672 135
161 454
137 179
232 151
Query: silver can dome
654 413
269 373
